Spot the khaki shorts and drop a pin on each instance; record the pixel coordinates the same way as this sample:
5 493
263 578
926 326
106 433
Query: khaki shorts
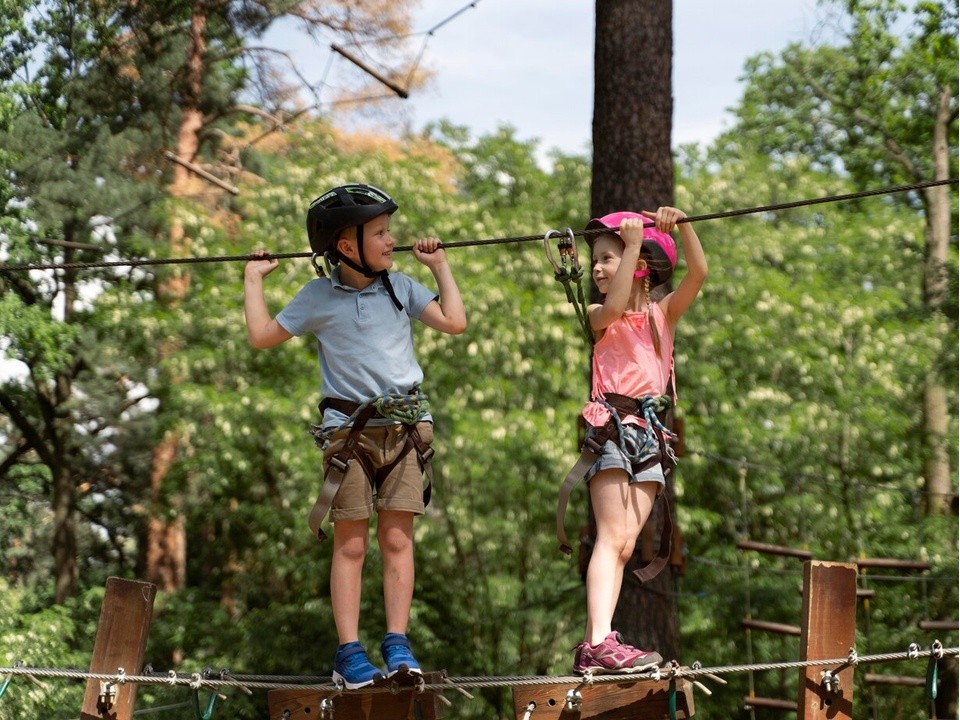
400 490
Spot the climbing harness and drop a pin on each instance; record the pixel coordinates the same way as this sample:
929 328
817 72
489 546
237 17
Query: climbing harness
655 450
569 272
407 410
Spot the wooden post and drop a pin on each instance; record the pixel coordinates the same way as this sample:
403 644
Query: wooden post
828 630
121 642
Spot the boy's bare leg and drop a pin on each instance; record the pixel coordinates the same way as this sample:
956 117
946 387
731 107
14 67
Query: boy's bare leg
395 536
350 539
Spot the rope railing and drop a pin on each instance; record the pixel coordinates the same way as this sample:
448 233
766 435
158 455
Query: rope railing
146 262
225 680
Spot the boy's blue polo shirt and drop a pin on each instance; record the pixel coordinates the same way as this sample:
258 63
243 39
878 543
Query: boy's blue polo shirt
365 344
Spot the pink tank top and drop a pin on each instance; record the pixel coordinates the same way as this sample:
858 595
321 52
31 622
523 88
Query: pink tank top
626 363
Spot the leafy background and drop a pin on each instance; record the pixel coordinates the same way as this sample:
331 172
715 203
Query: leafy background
800 372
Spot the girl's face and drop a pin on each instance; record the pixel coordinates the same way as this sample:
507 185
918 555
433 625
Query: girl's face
607 253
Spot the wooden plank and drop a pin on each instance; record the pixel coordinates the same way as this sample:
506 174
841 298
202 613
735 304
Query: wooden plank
939 625
774 627
892 564
404 704
878 679
121 642
629 700
770 703
828 629
769 549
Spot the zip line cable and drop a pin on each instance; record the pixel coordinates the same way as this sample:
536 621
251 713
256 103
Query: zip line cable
476 243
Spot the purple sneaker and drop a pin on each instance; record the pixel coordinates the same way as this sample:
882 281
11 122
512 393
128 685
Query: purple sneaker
612 655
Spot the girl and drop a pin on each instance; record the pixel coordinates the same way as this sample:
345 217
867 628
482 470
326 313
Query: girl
632 377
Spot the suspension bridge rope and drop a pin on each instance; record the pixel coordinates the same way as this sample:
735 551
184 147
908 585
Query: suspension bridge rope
476 243
225 680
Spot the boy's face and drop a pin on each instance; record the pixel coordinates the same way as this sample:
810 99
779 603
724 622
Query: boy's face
378 244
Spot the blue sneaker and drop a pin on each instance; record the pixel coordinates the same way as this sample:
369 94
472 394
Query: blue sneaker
395 649
353 668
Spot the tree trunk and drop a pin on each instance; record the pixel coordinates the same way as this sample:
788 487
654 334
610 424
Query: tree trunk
632 106
64 482
166 538
935 286
64 534
633 170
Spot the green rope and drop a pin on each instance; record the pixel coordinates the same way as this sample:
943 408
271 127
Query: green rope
211 705
567 279
673 699
932 678
408 409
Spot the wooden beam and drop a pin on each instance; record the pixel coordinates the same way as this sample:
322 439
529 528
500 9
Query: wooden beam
633 699
768 549
939 625
828 629
878 679
407 703
121 642
371 72
196 169
771 703
774 627
892 564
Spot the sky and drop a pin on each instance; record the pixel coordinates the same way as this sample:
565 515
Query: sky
529 63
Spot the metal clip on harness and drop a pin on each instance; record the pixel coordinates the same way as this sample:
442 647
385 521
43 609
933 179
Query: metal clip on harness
569 271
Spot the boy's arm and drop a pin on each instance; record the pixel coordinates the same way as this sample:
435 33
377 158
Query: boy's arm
263 331
448 315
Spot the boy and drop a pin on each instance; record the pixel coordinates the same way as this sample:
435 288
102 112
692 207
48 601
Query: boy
374 454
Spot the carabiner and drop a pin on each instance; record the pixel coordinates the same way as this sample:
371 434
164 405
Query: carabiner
549 235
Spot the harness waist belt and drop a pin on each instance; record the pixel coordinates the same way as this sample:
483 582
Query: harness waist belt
589 452
340 461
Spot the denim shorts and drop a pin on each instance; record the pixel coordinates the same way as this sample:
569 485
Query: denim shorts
612 457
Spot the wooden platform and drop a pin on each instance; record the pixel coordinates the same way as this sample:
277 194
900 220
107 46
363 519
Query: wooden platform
632 699
396 703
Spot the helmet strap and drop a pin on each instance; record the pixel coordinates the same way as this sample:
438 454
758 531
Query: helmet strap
362 267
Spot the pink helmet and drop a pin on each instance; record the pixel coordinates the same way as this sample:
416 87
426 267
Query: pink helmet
658 248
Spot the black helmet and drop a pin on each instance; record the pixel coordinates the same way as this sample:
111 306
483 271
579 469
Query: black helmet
344 206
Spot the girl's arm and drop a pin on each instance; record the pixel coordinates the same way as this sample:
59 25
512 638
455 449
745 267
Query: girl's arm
618 294
676 303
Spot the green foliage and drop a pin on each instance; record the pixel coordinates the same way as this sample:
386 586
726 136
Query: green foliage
866 103
38 637
799 369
